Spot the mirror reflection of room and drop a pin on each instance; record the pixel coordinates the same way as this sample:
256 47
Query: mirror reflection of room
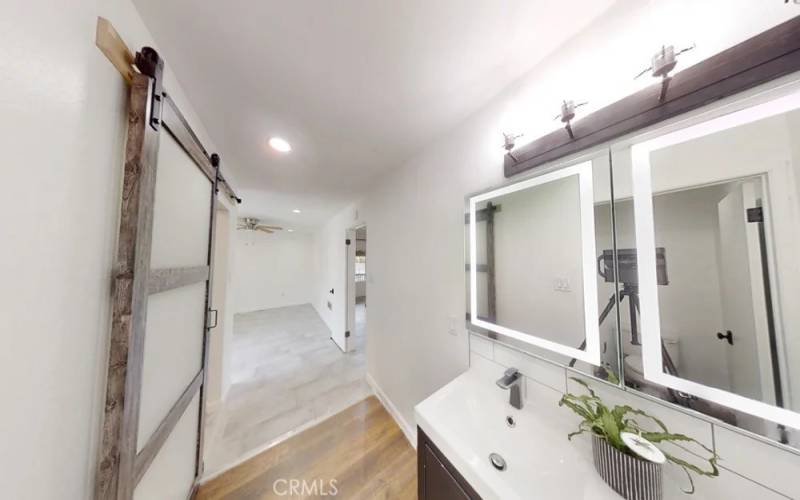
726 211
540 226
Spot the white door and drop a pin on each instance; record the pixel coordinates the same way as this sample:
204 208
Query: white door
742 296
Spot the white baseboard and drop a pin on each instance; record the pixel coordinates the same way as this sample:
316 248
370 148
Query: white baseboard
408 430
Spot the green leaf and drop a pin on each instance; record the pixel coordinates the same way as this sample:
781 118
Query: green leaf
584 384
612 377
634 411
584 413
658 437
612 431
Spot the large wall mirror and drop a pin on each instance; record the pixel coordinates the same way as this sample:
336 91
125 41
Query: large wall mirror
711 213
539 279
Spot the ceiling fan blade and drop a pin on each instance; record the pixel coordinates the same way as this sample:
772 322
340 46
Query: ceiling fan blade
260 228
275 228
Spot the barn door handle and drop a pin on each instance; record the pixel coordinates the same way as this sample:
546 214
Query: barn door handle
216 313
727 336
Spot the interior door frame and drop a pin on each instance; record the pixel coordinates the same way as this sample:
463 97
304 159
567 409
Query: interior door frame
150 108
351 245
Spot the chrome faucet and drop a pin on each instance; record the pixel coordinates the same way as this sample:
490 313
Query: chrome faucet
512 379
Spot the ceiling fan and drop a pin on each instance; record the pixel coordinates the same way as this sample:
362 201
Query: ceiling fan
252 224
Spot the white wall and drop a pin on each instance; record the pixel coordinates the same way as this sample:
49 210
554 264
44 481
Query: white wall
271 270
541 227
691 310
415 215
62 136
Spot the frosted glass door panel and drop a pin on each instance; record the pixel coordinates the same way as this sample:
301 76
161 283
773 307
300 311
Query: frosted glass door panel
181 210
173 349
171 475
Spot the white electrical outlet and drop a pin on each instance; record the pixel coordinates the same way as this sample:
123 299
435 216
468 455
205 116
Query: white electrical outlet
561 285
452 325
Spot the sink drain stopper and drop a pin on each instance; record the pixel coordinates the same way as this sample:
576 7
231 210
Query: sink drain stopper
498 462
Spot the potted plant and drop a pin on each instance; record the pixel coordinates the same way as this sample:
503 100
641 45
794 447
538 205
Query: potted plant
619 442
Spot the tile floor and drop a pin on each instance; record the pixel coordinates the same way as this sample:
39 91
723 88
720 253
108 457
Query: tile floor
286 375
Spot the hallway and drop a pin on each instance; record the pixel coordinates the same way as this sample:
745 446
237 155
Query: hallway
287 374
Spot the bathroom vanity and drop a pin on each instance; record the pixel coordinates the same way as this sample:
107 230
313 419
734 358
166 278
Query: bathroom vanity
436 476
470 418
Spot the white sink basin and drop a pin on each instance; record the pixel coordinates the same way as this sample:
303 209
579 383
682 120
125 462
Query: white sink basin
466 419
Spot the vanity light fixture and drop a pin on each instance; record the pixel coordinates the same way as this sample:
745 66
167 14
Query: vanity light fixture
661 64
508 140
280 145
567 114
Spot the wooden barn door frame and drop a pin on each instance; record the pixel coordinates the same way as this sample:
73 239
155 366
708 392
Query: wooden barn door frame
150 108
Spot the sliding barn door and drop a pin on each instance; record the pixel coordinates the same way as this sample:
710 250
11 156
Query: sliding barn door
153 429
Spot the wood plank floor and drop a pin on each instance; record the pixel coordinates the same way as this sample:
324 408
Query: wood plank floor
286 373
362 449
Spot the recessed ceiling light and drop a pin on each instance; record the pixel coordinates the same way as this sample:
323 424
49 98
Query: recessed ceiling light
296 210
279 144
291 230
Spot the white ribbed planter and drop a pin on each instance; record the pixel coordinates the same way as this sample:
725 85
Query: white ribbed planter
631 477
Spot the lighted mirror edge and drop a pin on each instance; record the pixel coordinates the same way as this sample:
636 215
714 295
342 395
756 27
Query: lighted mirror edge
591 327
646 256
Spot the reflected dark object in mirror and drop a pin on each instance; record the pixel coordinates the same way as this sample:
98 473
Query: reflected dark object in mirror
628 270
726 336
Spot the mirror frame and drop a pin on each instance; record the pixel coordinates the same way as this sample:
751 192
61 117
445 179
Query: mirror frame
646 256
583 171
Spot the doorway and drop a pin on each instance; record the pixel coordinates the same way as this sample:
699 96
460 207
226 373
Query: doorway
283 373
356 316
220 339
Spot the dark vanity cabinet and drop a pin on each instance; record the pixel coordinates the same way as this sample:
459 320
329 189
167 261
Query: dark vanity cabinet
437 478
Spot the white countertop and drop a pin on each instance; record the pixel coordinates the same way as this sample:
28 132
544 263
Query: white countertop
466 419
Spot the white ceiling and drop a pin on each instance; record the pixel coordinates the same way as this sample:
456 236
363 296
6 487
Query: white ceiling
356 86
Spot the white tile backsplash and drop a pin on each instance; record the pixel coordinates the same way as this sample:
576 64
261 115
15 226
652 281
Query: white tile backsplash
764 463
750 468
727 486
545 373
477 359
482 346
